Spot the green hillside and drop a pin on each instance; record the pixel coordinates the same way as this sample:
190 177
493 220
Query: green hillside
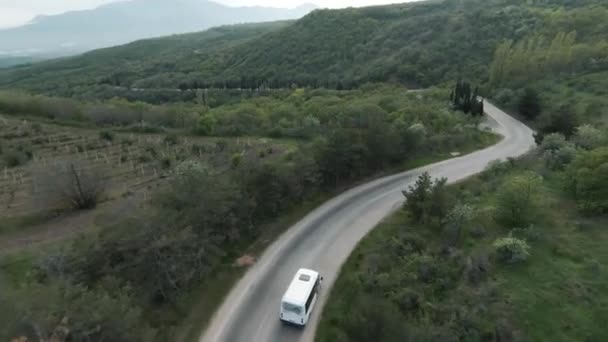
418 44
160 62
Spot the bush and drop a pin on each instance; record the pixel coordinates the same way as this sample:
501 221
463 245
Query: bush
518 200
459 217
505 97
559 159
553 142
496 168
165 163
171 139
511 250
375 319
106 135
589 137
235 160
563 121
587 180
70 185
14 158
529 104
427 201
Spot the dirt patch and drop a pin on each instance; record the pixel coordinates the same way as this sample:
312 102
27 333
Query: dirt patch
68 225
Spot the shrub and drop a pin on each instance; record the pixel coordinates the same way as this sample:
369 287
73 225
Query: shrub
518 200
553 142
587 181
529 104
374 320
106 135
427 201
496 168
557 160
14 158
563 121
221 145
236 159
70 184
505 97
171 139
511 250
165 163
408 301
457 219
477 267
589 137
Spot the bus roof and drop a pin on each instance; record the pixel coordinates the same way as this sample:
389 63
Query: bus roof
300 287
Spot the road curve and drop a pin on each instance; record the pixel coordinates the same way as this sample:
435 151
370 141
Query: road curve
324 239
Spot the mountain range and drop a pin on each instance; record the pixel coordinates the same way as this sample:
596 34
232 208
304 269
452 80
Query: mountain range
122 22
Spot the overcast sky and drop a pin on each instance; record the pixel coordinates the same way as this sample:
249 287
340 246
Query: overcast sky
18 12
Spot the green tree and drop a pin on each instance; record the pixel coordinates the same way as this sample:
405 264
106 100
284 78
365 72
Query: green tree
587 181
341 156
589 137
529 104
518 200
417 197
458 218
427 201
563 121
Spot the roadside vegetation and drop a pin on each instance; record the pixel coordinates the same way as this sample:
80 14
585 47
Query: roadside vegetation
202 216
516 253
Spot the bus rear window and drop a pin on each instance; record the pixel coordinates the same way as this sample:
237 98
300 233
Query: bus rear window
292 308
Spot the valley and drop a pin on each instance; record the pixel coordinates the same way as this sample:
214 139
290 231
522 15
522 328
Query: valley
176 183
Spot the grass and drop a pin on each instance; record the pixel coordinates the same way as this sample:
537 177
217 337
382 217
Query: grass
14 269
562 294
559 294
21 224
207 299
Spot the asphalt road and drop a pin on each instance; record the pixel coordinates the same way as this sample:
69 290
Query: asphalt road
324 239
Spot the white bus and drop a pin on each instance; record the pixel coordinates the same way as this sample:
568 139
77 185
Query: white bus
300 297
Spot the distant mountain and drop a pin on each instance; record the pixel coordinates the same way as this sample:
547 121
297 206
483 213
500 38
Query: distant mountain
122 22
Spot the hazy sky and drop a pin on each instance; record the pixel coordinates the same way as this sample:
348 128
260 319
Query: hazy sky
18 12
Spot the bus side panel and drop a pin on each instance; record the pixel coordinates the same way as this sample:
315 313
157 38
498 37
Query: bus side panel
312 307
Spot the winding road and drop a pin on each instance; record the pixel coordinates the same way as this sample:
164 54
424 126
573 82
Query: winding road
324 239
